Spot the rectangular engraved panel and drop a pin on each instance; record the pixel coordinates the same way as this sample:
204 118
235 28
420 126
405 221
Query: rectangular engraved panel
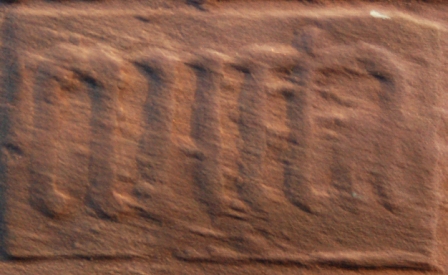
282 137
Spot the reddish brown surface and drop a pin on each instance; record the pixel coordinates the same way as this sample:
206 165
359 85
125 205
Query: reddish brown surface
233 137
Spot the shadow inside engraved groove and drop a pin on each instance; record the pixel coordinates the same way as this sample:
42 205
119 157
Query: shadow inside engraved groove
205 130
101 171
154 142
9 84
3 231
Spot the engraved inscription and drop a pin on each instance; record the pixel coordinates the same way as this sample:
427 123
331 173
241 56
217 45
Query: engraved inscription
45 158
243 149
161 68
344 130
70 73
206 128
258 63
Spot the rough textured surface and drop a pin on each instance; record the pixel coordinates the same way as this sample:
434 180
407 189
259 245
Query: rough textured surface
241 137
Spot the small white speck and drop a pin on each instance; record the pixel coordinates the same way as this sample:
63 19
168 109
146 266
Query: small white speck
376 14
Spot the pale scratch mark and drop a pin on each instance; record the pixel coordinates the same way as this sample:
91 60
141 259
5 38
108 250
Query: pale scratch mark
376 14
